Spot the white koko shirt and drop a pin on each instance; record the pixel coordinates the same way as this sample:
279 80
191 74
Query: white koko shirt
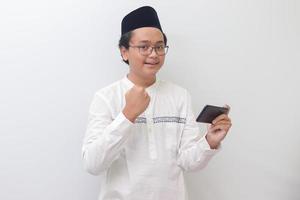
144 160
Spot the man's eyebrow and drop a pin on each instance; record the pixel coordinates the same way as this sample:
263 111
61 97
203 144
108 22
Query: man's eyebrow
144 41
147 41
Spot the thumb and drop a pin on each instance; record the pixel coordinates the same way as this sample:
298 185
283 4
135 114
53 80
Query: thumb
227 106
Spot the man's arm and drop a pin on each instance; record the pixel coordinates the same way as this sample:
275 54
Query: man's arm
194 152
104 138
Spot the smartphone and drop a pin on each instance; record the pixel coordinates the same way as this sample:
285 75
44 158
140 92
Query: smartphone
210 112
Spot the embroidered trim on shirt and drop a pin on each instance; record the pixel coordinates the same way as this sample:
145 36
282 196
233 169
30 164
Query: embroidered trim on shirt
140 120
162 119
169 119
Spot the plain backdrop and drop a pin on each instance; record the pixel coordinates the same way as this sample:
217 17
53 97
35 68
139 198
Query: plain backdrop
54 55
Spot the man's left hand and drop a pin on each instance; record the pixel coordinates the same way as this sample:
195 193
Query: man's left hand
217 131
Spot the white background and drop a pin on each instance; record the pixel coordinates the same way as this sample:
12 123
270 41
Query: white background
55 54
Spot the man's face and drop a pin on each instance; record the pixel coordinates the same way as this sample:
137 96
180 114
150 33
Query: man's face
145 66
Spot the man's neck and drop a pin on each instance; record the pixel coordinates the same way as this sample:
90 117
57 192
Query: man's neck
141 81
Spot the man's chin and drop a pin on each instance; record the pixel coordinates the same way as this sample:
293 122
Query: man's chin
151 71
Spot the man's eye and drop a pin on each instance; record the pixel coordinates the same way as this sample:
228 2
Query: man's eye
159 48
144 47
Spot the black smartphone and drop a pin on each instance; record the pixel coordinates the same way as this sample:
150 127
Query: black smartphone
210 112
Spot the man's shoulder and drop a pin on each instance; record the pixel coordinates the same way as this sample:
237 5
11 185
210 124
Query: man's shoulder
109 89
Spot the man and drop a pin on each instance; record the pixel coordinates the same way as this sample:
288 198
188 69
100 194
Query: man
142 134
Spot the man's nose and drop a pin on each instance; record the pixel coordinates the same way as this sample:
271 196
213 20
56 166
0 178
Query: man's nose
153 52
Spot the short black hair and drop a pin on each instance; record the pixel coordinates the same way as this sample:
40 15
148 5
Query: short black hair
125 38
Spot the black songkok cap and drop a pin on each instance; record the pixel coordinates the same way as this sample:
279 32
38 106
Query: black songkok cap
144 16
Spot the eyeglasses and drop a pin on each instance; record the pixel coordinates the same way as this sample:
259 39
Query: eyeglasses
146 50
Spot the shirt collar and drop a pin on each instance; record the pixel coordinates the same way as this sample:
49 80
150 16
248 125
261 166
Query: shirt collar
150 88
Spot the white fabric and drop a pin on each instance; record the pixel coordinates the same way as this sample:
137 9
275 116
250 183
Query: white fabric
144 160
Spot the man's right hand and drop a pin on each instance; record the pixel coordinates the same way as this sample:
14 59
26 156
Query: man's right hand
137 101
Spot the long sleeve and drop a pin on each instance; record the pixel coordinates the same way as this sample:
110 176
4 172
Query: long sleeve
194 152
104 137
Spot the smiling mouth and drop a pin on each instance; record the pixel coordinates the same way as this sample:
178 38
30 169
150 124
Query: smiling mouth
151 63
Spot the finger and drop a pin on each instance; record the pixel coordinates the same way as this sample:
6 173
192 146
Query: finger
222 123
220 127
225 120
226 125
220 117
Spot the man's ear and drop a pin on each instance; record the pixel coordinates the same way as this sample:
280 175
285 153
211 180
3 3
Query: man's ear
124 53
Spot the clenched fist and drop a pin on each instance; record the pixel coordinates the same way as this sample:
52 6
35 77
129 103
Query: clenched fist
137 101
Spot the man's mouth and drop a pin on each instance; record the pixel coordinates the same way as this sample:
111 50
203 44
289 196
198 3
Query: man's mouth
151 63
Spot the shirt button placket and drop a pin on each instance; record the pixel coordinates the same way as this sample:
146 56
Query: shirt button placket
151 139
